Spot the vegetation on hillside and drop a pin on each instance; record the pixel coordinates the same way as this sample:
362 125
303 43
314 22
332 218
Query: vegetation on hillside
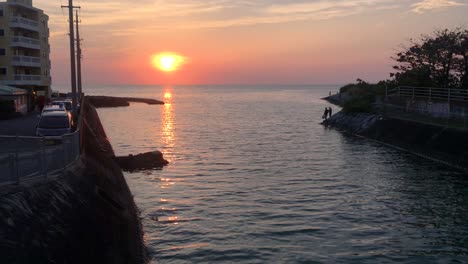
362 95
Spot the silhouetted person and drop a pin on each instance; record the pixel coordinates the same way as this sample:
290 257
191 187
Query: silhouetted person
330 111
325 113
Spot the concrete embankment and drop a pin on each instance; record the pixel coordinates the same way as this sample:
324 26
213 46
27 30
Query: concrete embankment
85 215
110 101
446 145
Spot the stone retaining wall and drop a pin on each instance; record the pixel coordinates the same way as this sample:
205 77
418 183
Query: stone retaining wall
85 215
447 145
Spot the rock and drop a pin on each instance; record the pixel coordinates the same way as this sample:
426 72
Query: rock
149 160
352 122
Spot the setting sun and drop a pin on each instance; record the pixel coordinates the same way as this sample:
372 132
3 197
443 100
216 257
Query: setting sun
167 61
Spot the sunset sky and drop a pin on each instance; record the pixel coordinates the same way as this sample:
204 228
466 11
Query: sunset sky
244 41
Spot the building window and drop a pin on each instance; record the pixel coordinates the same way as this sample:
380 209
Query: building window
3 71
1 12
2 52
2 32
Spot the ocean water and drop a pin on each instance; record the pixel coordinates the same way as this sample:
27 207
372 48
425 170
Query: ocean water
254 178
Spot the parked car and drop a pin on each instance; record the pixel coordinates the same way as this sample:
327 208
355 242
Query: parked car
50 108
77 103
54 123
65 103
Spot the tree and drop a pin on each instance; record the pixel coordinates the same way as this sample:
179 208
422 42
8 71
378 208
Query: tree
438 60
462 59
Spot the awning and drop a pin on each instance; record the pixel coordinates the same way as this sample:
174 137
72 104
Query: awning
9 90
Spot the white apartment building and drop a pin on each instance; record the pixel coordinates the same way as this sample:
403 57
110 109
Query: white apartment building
24 48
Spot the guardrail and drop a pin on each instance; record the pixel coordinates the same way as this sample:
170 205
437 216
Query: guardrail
26 158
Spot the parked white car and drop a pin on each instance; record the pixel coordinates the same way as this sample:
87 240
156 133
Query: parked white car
65 103
51 108
54 123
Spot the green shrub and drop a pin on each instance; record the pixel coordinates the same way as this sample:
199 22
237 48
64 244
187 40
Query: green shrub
362 95
358 105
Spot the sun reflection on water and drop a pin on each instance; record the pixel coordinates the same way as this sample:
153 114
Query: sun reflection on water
169 139
168 135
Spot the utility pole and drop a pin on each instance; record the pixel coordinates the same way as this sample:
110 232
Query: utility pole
78 55
72 54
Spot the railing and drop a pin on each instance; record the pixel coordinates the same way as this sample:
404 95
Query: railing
29 42
27 23
26 60
25 77
21 3
430 93
26 158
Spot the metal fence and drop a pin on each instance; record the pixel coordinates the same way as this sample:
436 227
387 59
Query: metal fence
25 158
430 93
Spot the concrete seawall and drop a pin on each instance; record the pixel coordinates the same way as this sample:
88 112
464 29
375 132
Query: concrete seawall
446 145
85 215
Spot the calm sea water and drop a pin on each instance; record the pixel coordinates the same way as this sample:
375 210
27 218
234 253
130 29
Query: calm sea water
253 178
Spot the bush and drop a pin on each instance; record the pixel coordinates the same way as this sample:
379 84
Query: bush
357 105
362 95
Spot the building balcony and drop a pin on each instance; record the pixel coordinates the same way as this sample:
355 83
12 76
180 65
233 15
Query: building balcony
27 77
24 79
25 42
21 4
26 61
19 22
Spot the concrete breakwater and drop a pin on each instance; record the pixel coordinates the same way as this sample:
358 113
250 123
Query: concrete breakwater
110 101
84 215
446 145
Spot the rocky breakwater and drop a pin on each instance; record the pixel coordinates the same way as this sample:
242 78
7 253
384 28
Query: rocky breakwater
357 123
86 214
438 143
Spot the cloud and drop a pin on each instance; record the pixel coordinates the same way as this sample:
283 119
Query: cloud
263 12
124 17
428 5
337 7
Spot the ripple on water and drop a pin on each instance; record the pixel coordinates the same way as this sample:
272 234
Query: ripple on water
254 179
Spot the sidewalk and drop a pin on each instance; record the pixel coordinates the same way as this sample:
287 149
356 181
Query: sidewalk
23 126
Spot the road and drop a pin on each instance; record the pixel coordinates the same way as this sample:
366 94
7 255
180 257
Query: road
31 162
32 157
23 126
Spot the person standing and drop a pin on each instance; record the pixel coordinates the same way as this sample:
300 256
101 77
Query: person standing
325 113
330 111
